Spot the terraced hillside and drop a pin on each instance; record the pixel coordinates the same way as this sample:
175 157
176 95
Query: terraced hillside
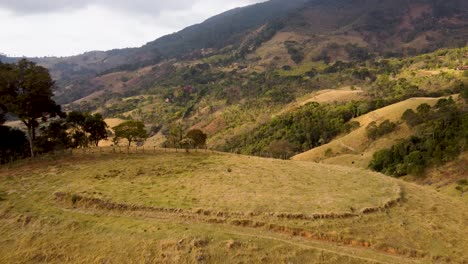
211 207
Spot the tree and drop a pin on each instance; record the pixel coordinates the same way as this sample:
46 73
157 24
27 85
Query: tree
26 92
411 118
86 128
96 127
281 149
131 130
75 121
187 143
374 132
464 91
2 113
54 136
198 137
176 134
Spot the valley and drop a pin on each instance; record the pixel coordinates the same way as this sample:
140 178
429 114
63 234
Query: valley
300 131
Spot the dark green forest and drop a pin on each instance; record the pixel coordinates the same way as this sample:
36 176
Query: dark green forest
442 134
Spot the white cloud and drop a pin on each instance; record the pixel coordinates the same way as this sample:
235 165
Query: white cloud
68 27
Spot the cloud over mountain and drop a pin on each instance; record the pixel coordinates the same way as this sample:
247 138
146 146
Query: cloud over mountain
25 7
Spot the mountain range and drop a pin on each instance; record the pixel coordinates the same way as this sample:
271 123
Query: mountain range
315 29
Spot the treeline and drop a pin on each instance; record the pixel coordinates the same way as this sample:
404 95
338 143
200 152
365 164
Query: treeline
76 130
312 125
442 134
26 91
26 96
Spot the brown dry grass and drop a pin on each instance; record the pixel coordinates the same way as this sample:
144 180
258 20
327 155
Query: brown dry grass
423 227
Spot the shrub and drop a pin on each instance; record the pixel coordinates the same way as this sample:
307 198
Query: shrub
281 149
374 132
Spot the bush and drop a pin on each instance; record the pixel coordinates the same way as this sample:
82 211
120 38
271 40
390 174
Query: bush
13 144
374 132
281 149
350 126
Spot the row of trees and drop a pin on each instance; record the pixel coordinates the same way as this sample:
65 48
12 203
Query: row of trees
26 92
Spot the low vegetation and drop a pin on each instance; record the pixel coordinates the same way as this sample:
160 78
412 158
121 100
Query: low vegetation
375 131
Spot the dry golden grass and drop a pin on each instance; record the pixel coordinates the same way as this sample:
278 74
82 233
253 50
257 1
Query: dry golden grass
274 51
344 94
230 183
112 122
131 221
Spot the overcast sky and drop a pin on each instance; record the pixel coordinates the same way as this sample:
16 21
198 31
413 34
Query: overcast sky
69 27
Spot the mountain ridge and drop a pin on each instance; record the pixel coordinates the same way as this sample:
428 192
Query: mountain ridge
386 28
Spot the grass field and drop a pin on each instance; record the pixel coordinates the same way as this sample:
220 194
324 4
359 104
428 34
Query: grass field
218 208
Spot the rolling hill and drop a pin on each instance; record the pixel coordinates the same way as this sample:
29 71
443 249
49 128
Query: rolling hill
300 79
211 208
355 148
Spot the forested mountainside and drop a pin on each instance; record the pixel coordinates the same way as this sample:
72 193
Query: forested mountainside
314 30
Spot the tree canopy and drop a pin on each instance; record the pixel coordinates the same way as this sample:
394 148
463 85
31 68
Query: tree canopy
26 93
198 137
131 130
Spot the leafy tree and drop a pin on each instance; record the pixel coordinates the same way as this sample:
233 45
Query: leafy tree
464 91
281 149
96 128
411 118
441 137
198 137
175 136
131 130
310 126
86 128
26 92
53 136
2 113
76 121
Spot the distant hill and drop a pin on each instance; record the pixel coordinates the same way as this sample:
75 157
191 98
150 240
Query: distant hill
251 77
355 149
300 30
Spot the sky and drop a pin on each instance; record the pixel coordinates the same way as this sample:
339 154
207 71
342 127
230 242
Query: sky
37 28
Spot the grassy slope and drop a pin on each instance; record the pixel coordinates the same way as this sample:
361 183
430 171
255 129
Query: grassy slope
218 216
355 149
